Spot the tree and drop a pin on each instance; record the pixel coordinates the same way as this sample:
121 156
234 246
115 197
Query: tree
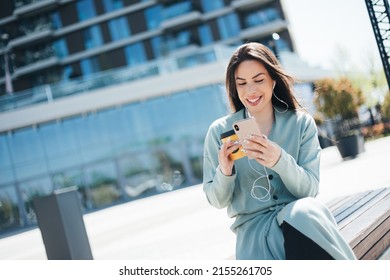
338 98
385 109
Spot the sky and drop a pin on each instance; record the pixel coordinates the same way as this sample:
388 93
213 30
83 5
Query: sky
320 28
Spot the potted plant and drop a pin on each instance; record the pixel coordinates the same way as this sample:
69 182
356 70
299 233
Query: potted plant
323 137
339 100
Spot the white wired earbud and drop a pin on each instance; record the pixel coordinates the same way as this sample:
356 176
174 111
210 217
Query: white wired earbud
279 100
259 192
266 192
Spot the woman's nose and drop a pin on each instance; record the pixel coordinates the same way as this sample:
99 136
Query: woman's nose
251 88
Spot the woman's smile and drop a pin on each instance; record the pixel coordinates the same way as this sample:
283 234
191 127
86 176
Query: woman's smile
254 100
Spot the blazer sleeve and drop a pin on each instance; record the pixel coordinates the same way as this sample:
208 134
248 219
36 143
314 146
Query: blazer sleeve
217 186
301 175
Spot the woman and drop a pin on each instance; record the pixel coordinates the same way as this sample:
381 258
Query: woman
271 191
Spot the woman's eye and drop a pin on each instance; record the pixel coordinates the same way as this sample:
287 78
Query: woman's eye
259 81
241 84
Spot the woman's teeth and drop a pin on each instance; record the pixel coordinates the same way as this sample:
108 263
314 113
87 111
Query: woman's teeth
254 101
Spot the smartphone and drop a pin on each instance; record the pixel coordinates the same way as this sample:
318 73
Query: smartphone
246 127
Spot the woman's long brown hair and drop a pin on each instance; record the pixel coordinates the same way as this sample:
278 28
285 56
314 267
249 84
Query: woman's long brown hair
284 88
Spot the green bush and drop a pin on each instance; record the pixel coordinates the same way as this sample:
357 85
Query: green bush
338 98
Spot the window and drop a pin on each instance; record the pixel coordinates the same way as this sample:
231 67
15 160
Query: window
135 54
67 73
102 184
176 41
112 5
156 43
205 34
209 6
177 9
60 145
89 66
282 45
9 211
190 61
6 174
153 17
27 153
61 48
56 20
261 17
119 28
277 46
85 9
228 26
92 37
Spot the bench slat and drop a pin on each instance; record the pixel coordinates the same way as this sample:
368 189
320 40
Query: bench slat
355 202
379 242
363 225
346 202
337 202
361 207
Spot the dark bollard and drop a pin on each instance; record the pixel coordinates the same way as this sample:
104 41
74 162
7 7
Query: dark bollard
60 220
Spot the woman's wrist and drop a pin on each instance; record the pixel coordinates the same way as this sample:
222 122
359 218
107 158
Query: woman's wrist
227 173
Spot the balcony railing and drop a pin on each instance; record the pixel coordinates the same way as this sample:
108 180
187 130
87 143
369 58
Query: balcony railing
176 10
32 6
31 37
248 4
50 92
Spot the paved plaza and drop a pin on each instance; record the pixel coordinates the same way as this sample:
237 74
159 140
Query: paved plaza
181 225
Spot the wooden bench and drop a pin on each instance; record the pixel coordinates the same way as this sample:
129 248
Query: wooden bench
364 220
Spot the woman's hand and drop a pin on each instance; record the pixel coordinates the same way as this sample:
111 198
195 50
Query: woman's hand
225 162
263 150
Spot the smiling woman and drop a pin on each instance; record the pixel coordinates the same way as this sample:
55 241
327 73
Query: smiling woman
270 191
254 87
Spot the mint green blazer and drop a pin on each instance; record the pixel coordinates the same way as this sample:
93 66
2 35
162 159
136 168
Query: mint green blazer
292 186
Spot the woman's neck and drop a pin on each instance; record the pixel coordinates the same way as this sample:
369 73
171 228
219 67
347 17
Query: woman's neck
264 119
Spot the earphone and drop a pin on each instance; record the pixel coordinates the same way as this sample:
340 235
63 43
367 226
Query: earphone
273 87
265 192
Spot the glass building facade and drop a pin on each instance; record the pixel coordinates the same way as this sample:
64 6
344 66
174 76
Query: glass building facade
112 156
132 150
49 42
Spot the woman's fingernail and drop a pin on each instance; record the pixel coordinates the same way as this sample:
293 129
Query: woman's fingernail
245 141
243 150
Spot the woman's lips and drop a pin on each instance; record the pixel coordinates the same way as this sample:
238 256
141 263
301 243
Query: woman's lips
254 101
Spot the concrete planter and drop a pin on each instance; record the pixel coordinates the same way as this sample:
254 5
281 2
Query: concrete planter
351 145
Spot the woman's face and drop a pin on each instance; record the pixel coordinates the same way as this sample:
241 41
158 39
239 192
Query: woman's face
254 86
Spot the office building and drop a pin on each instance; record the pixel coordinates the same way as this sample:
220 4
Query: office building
115 96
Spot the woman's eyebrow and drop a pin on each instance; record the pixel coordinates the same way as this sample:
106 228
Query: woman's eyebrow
258 74
255 76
